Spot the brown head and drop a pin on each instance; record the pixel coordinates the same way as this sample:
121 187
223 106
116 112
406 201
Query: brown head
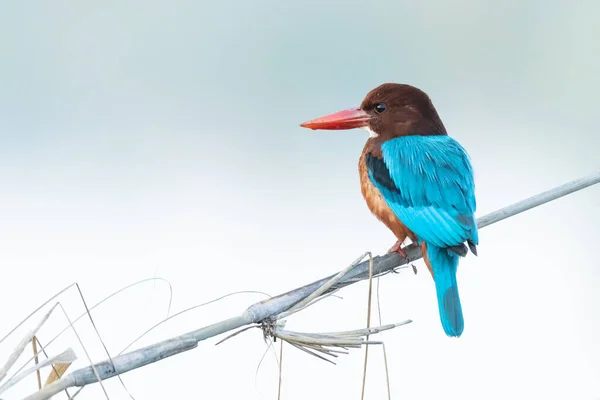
390 110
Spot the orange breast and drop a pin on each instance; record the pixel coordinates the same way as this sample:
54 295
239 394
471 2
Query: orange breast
377 204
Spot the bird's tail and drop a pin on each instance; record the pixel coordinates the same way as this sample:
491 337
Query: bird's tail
443 264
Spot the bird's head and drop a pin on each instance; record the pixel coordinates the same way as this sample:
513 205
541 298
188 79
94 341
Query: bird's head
390 110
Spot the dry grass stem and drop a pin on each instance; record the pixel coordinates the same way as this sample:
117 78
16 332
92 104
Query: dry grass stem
58 370
307 300
67 356
369 300
37 360
328 343
280 370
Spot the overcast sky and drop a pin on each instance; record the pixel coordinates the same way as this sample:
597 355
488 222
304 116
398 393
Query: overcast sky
145 139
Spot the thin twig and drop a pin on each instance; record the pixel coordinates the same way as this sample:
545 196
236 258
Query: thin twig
280 370
37 360
67 356
54 370
385 361
312 353
47 315
322 289
364 380
387 372
236 333
12 359
190 309
90 309
326 343
264 310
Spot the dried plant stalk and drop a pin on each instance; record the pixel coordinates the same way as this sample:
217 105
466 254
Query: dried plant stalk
58 370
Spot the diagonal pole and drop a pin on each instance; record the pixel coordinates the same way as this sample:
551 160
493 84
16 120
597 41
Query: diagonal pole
270 308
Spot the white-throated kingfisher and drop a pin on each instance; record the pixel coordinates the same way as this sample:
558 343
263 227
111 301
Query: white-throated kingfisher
418 181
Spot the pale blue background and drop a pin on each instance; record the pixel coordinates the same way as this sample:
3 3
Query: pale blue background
147 138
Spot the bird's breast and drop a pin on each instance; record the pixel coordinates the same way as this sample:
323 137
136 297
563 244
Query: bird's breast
377 204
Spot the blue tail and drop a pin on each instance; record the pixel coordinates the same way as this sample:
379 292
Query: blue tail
444 264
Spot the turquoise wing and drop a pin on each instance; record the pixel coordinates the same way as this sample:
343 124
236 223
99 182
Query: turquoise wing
427 181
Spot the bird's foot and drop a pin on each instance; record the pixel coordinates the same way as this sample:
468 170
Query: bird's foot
396 248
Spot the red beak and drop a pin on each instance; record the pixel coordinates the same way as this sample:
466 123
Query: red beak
346 119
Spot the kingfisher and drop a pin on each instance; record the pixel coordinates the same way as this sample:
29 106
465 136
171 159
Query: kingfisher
418 181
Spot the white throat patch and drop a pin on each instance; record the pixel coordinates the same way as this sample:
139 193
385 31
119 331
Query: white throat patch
372 134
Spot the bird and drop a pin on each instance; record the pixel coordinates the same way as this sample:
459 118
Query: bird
418 181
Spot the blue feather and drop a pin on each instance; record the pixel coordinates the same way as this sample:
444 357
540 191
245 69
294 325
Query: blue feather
436 190
435 198
444 265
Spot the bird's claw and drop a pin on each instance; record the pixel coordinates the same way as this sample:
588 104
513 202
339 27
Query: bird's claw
396 248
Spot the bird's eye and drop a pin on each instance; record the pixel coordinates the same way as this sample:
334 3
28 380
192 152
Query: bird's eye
379 108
